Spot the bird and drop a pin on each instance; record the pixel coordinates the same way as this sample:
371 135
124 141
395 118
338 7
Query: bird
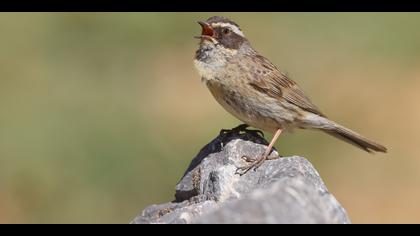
256 92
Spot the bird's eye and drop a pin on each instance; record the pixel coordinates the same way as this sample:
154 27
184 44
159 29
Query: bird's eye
226 31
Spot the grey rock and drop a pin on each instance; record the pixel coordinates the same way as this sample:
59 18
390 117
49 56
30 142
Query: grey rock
284 190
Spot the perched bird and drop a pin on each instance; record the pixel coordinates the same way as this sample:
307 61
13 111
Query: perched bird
256 92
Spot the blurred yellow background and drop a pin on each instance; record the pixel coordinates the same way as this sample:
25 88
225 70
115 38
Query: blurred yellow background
101 113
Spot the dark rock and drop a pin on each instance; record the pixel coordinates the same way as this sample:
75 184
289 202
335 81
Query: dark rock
284 190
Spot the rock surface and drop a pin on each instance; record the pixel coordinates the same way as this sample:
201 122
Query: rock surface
284 190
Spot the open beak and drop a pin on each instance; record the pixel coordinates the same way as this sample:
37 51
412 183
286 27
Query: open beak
206 30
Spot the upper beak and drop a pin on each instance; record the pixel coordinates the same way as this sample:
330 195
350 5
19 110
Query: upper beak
206 29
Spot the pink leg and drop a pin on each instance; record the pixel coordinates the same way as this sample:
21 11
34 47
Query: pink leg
257 162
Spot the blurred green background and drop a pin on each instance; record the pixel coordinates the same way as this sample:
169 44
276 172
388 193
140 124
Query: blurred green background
100 113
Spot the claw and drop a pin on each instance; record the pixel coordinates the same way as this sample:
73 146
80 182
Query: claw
254 163
243 170
247 159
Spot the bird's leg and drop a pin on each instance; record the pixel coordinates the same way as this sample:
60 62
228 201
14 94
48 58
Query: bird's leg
255 163
250 159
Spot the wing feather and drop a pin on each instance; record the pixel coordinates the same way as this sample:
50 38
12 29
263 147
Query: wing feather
277 85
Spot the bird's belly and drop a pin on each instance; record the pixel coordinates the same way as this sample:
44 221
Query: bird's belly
255 111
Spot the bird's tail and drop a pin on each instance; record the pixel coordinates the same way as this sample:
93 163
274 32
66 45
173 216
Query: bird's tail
313 121
354 138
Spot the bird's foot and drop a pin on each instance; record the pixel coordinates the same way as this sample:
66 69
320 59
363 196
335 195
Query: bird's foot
254 163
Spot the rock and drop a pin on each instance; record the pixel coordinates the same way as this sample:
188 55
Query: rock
284 190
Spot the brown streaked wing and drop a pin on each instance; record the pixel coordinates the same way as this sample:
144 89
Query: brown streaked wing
277 85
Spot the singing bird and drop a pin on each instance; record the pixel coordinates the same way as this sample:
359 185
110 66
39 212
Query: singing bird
256 92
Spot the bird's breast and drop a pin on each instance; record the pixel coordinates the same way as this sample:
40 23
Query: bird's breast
242 103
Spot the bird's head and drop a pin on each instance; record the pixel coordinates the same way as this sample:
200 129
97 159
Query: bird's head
221 31
221 40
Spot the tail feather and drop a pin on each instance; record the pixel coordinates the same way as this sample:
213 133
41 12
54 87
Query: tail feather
354 138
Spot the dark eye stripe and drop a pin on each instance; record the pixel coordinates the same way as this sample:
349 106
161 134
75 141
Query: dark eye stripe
223 30
231 40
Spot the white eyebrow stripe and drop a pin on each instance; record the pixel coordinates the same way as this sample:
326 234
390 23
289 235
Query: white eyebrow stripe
233 27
